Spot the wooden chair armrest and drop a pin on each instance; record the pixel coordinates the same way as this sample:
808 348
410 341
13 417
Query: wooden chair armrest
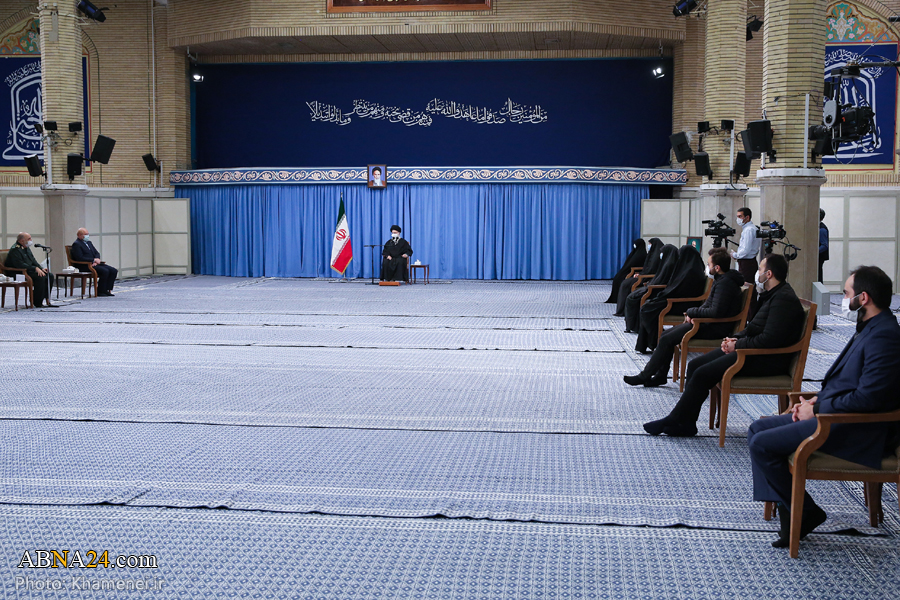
80 262
877 417
795 397
716 319
815 441
656 287
755 351
634 271
692 332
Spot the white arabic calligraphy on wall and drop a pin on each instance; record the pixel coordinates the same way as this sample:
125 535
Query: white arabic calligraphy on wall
25 102
511 112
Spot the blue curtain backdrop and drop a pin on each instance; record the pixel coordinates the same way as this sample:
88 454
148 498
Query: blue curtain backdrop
561 232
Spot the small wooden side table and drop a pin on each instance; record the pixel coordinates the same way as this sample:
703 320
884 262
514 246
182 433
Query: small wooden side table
86 279
15 285
425 273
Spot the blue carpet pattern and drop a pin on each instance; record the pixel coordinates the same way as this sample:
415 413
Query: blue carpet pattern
340 440
234 554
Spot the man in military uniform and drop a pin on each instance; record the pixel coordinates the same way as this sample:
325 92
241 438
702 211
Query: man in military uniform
21 257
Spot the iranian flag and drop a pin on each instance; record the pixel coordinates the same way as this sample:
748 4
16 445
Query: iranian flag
341 248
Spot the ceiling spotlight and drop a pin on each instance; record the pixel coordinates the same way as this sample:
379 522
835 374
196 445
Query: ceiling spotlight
753 25
91 11
683 8
50 126
75 126
659 73
196 75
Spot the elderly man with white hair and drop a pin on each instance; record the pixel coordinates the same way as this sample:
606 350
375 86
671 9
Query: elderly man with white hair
83 251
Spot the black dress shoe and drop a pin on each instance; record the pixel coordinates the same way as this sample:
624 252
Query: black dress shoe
49 306
812 518
618 314
657 427
681 430
105 294
635 379
656 381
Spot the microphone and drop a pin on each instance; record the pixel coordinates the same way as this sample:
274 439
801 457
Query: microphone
47 248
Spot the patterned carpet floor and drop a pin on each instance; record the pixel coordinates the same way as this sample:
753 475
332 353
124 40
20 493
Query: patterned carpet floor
225 416
233 554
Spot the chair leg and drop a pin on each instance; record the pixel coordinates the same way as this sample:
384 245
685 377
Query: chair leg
684 357
676 360
714 399
782 403
873 501
798 491
769 511
723 413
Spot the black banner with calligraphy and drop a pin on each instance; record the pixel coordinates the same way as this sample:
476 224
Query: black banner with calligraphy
610 112
336 6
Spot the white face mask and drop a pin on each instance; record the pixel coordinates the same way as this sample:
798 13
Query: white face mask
30 243
709 273
395 235
760 285
87 237
847 312
660 255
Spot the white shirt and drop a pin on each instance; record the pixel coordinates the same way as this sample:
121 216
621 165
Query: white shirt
749 247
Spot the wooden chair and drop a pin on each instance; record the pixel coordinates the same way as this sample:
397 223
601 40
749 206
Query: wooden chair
10 272
689 344
665 319
90 266
808 463
780 385
641 279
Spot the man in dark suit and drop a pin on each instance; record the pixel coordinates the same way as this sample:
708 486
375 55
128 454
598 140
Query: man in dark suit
83 251
863 379
778 322
396 253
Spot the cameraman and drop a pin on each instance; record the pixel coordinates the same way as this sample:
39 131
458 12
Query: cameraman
749 248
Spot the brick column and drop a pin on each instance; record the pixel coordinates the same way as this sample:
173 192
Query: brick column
63 102
725 81
688 98
793 58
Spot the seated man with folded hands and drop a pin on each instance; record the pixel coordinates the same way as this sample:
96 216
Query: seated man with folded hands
865 378
724 301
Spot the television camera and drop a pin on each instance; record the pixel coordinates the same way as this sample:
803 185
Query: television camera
718 230
773 232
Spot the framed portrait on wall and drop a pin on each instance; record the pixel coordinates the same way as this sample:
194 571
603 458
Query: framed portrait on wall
696 242
377 176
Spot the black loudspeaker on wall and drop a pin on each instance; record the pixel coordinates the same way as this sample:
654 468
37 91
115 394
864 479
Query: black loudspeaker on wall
701 160
681 146
34 165
742 165
760 136
103 148
150 163
74 163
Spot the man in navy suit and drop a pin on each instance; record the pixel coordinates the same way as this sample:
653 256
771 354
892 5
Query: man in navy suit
863 379
83 251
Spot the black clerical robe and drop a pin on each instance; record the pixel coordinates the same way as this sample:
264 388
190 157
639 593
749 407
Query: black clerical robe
395 268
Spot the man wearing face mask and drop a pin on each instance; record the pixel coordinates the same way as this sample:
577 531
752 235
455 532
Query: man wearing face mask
778 322
83 251
724 301
396 255
863 379
748 250
21 257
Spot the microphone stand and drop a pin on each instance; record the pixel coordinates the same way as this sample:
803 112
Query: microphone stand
372 246
47 252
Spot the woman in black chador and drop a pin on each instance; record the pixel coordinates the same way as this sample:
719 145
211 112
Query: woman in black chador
396 253
651 265
689 281
635 259
668 257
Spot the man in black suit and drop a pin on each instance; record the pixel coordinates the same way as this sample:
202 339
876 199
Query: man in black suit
778 323
863 379
724 300
83 251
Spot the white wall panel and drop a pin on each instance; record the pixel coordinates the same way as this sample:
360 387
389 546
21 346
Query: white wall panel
25 214
873 217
